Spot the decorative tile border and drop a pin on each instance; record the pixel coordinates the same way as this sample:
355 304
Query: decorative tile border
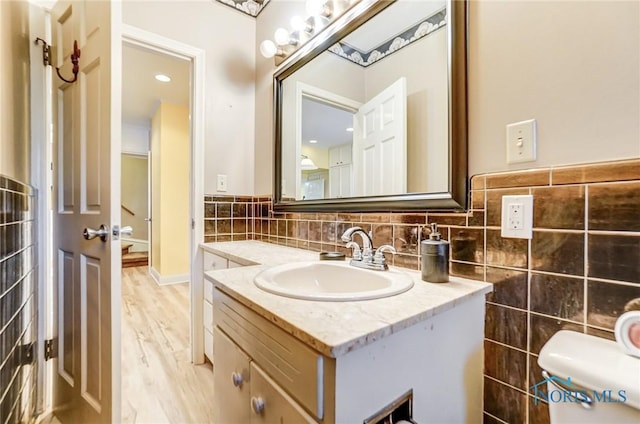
421 29
250 7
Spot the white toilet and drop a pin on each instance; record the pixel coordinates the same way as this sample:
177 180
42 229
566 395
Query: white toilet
588 380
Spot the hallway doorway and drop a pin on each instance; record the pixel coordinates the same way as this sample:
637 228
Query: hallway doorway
167 135
156 162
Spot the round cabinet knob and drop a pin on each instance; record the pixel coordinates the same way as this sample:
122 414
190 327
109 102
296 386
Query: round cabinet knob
257 404
237 379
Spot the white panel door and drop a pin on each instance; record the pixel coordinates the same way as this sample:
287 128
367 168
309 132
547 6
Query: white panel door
86 193
380 143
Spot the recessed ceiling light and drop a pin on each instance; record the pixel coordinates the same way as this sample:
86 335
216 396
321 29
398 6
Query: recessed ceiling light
163 77
350 129
313 141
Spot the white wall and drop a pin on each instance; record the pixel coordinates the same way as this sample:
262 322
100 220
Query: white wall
135 139
572 65
276 14
14 91
227 37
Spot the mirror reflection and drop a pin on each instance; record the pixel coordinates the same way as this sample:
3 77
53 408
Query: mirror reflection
369 116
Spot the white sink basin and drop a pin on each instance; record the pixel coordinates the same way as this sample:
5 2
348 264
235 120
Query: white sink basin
331 281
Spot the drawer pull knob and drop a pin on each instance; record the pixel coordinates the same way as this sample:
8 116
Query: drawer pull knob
237 379
257 405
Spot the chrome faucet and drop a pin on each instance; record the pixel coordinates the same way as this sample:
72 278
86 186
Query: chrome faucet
365 257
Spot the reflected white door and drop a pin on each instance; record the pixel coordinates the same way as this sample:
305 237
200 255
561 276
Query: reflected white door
86 126
380 143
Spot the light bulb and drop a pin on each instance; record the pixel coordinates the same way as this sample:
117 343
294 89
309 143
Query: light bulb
282 37
314 7
319 7
268 48
298 23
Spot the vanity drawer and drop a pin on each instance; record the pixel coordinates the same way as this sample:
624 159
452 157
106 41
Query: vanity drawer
208 291
271 404
289 362
212 262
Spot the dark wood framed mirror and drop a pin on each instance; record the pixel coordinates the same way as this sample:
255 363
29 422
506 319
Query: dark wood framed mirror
371 114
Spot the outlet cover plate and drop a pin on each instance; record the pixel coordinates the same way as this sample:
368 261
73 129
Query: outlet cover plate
517 216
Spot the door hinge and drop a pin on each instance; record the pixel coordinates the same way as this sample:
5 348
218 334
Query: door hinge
193 224
49 349
27 354
46 51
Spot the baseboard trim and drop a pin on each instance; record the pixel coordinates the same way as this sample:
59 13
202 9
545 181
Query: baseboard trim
165 280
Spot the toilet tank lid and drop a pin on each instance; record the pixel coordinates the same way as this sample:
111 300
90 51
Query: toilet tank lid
593 363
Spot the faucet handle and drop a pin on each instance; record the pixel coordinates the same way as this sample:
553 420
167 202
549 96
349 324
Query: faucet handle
378 257
357 253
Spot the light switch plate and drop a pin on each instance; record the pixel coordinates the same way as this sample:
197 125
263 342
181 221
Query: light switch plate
521 141
517 216
222 182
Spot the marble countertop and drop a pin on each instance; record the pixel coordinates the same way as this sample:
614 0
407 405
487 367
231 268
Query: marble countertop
332 328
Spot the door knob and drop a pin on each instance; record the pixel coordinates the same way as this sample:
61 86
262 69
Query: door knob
102 232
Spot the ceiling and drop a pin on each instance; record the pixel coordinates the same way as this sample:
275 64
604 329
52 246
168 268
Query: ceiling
141 92
325 123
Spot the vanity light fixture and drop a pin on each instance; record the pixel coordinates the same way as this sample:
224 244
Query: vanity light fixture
306 164
321 13
163 78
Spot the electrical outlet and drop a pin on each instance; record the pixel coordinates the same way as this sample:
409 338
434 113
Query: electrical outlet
222 182
517 216
514 216
521 141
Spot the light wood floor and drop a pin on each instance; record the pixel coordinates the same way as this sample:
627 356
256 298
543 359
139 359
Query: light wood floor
159 383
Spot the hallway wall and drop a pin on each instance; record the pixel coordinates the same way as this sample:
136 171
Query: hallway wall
170 154
14 91
226 35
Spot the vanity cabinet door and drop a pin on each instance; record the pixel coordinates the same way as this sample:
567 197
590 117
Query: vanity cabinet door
231 381
270 404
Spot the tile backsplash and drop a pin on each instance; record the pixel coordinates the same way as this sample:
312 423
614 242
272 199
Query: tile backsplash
578 272
17 302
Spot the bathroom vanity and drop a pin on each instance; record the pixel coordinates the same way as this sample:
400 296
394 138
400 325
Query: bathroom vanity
278 359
